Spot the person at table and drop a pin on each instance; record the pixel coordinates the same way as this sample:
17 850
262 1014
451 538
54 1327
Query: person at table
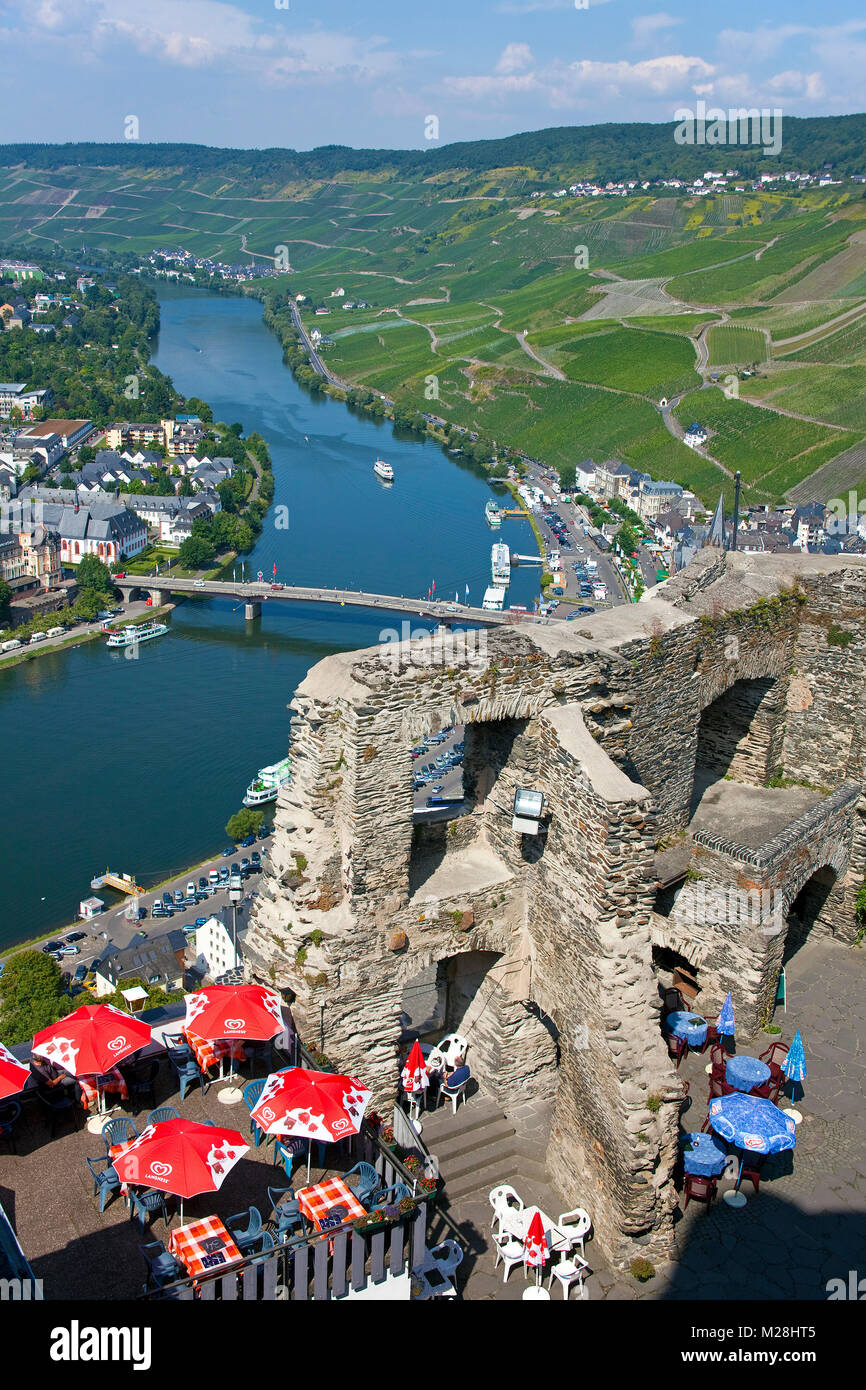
457 1075
49 1074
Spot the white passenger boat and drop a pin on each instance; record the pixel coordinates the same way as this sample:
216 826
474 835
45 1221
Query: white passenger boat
384 471
500 564
135 633
267 783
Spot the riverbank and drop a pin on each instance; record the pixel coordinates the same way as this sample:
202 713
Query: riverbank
59 644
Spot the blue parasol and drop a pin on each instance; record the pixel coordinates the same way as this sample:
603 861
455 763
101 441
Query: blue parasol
725 1023
794 1065
753 1124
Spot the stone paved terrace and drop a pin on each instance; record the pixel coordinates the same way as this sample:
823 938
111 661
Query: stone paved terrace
808 1222
806 1226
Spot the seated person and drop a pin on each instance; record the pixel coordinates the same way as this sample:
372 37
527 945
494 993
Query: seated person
456 1076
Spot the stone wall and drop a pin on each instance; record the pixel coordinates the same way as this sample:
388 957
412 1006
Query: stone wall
603 715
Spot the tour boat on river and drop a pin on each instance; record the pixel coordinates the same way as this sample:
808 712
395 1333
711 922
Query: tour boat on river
383 470
267 783
135 633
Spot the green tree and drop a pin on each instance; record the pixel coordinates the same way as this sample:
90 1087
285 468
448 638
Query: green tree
86 454
243 823
89 604
91 573
195 553
31 996
5 599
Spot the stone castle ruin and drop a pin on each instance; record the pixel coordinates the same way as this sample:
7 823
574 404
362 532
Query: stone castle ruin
702 759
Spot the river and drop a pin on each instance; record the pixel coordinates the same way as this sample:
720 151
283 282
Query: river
137 765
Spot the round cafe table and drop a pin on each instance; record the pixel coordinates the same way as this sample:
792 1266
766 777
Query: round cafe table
704 1155
691 1027
744 1073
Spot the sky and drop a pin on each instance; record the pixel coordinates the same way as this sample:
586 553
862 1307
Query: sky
301 73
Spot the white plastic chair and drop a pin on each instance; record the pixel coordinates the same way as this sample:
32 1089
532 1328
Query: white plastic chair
582 1225
567 1272
504 1201
454 1095
453 1046
511 1252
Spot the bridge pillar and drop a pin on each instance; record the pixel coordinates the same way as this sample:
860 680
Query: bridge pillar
158 597
252 609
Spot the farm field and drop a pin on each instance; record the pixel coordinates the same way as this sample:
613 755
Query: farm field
730 345
834 393
758 442
494 265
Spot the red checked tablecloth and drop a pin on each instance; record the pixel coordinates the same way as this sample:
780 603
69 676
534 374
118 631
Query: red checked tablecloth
315 1202
208 1052
92 1085
187 1244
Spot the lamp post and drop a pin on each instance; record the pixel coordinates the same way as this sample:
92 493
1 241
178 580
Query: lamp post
231 1095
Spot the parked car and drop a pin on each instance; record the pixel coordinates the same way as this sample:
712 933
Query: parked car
190 889
70 951
201 921
264 832
50 947
224 873
213 877
256 859
81 972
250 840
245 865
75 936
178 897
228 851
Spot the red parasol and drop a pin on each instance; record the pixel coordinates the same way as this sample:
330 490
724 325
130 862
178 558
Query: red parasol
92 1040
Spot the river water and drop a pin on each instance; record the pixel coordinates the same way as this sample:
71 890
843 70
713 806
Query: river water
137 765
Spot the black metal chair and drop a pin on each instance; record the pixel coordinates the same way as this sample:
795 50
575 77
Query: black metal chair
59 1108
141 1082
10 1113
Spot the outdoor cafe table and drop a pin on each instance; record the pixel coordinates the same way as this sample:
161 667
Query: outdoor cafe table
690 1027
744 1073
706 1157
203 1247
559 1240
94 1088
316 1202
208 1052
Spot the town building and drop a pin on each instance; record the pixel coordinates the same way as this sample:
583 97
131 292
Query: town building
71 432
155 960
16 395
215 951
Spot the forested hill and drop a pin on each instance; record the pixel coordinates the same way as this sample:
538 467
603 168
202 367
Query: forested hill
612 151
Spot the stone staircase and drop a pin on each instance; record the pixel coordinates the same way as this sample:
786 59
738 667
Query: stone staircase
480 1147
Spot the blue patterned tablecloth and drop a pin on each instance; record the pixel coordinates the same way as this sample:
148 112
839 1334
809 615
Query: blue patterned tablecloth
706 1156
691 1027
745 1073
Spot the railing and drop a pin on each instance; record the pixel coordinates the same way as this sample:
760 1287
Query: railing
328 1265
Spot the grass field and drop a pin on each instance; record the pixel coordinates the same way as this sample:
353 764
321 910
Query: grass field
631 359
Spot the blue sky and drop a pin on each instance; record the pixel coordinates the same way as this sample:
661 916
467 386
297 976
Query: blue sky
301 73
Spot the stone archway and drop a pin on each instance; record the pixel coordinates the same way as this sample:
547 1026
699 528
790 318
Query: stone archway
513 1044
811 910
740 733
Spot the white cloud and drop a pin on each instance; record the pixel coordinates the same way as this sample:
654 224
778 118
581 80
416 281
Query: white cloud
535 6
646 28
205 33
514 58
584 83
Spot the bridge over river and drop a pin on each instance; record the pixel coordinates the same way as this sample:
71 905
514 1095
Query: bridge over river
256 592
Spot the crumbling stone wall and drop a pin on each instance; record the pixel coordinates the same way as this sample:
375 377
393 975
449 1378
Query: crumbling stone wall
603 716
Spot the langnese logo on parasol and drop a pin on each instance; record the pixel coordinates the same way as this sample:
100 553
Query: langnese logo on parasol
340 1125
116 1044
234 1025
268 1114
160 1170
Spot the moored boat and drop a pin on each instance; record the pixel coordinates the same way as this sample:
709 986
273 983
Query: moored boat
493 515
266 783
500 564
136 632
